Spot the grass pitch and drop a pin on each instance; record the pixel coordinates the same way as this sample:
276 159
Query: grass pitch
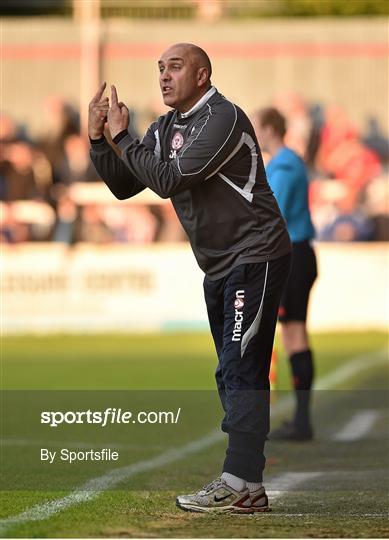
345 496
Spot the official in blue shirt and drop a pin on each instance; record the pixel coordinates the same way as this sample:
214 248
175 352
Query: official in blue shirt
288 180
287 177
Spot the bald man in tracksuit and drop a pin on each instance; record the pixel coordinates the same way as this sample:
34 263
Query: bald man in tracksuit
204 156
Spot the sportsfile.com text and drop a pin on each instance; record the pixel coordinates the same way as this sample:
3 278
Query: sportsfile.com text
109 416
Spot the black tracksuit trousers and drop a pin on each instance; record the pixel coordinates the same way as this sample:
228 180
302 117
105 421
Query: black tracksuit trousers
242 311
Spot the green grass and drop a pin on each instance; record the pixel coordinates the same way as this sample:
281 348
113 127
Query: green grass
167 361
348 500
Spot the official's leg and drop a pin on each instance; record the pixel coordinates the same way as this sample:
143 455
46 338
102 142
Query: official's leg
293 315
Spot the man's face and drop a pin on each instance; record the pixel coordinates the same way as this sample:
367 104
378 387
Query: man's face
178 79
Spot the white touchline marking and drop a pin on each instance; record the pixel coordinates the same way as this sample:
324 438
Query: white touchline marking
350 369
79 444
92 489
335 378
281 484
316 514
359 426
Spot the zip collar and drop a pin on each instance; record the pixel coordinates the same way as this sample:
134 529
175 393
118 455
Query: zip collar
197 106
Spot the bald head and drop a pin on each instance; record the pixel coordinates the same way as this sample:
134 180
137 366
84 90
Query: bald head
185 75
196 55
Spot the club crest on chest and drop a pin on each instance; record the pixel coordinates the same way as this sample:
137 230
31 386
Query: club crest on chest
177 142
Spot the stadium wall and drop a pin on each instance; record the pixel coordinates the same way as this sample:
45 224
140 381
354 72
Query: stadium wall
327 61
50 288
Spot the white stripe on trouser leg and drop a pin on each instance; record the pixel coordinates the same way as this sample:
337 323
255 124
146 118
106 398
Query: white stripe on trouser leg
254 327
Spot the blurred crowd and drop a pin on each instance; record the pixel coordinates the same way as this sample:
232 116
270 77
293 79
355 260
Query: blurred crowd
50 190
347 169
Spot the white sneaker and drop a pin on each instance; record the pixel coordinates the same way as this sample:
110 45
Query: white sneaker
259 501
217 497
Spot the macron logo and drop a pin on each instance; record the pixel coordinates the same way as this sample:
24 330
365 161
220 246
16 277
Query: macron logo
238 304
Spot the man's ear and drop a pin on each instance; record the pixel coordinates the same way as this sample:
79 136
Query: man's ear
202 76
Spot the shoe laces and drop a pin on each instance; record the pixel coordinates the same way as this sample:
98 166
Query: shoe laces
214 484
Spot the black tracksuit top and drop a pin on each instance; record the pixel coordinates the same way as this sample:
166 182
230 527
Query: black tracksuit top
209 163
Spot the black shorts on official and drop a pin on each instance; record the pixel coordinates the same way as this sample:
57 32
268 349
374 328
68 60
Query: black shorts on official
303 273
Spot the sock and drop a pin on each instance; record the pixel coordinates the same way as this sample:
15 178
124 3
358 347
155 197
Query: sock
253 486
303 371
234 481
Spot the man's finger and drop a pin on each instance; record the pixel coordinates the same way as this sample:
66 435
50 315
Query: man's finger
99 93
114 96
125 113
123 106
